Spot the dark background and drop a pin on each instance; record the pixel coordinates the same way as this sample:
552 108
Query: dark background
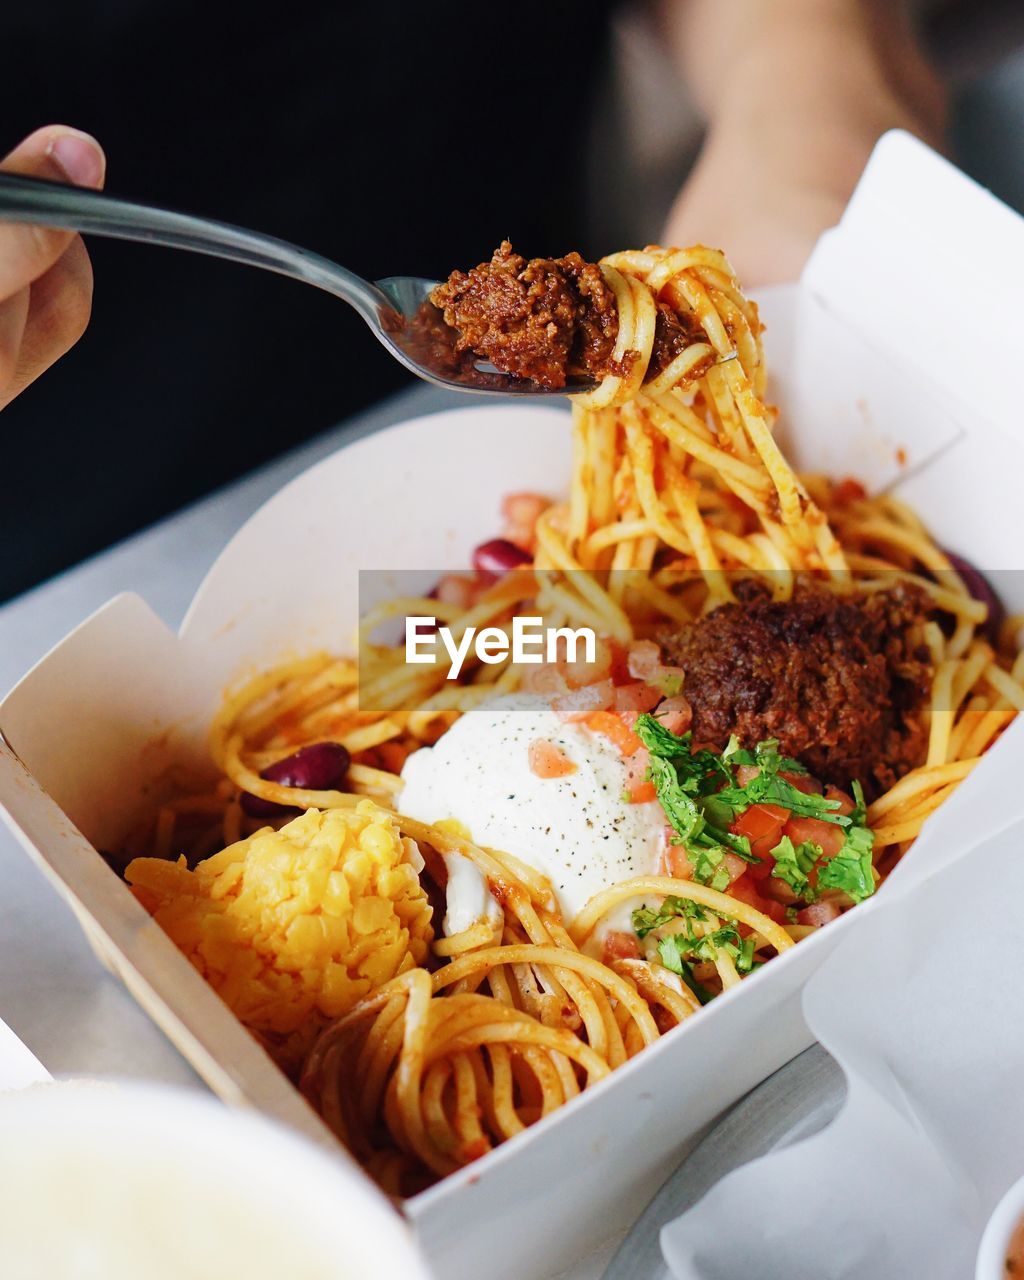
396 138
392 138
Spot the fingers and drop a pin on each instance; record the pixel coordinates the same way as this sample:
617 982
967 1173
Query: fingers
13 315
62 155
56 312
45 276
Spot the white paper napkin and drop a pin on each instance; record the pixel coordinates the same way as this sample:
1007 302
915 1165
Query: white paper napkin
923 1006
18 1066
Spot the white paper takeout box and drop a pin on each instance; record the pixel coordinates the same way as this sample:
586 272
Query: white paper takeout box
893 362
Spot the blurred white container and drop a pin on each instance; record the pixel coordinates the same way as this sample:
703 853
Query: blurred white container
121 1181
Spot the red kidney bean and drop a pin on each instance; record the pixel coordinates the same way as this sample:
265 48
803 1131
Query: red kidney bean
499 556
981 589
320 767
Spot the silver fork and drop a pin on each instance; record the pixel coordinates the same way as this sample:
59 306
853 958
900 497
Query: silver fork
394 308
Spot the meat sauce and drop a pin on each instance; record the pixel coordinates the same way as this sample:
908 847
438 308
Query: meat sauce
549 319
841 681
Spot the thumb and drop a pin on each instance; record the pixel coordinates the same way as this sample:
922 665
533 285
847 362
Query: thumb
60 154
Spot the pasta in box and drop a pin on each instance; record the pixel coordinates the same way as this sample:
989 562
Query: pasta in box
315 929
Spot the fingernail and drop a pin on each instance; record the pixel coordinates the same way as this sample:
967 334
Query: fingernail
79 156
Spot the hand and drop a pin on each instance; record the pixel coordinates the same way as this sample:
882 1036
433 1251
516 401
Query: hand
45 275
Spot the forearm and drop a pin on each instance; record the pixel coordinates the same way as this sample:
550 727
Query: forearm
816 81
796 94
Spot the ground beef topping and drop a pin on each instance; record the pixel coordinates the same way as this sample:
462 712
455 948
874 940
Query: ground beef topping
841 681
544 319
548 319
673 333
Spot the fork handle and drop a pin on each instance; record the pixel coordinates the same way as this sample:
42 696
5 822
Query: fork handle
53 204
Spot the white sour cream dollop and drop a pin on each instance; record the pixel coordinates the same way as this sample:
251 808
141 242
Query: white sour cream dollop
577 830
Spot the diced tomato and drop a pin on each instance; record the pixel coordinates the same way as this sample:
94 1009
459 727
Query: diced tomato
614 727
763 869
635 698
524 508
818 914
735 866
521 512
846 805
577 704
619 945
779 890
827 834
675 714
642 793
644 660
803 782
674 861
644 663
544 678
581 673
762 824
456 589
547 761
746 773
746 891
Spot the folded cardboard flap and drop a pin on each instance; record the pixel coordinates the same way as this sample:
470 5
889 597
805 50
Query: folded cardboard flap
418 496
906 362
105 712
929 266
852 409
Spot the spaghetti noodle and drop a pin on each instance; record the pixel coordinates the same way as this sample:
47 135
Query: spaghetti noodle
679 490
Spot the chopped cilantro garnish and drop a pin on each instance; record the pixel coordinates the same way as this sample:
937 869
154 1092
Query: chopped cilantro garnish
745 962
670 685
698 792
679 806
859 815
672 958
706 946
681 949
794 862
701 798
765 755
699 772
645 920
769 788
851 870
